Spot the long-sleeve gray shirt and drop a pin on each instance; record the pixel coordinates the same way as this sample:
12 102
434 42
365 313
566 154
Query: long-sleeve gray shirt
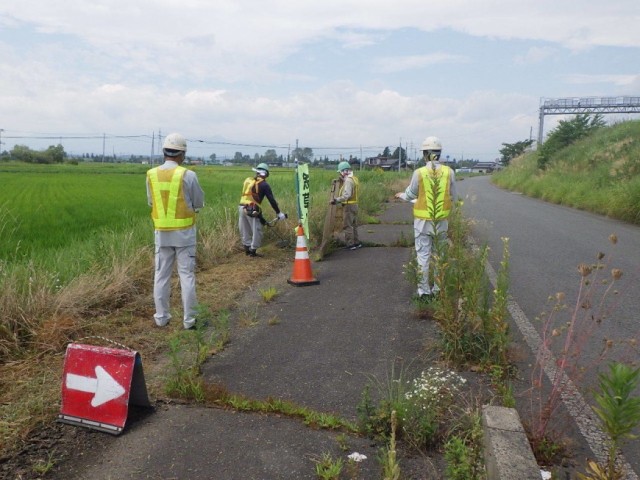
421 225
348 190
194 198
411 193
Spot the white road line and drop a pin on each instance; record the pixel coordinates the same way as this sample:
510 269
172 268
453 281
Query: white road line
573 400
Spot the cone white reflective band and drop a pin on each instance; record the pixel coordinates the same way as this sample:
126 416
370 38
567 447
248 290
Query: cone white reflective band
301 242
302 255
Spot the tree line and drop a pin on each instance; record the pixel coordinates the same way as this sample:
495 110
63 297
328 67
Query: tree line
566 133
56 154
22 153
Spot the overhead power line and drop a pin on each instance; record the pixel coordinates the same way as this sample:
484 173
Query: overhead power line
328 151
60 137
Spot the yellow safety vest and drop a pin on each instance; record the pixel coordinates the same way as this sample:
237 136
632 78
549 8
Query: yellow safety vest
250 191
169 211
354 196
424 206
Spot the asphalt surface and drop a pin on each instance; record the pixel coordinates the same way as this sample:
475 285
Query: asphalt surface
547 242
323 345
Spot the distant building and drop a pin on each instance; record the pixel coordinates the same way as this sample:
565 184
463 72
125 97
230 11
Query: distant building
485 167
383 163
449 163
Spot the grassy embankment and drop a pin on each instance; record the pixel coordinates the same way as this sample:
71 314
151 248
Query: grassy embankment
599 174
76 261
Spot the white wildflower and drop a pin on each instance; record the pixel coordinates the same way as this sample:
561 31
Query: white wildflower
434 387
357 457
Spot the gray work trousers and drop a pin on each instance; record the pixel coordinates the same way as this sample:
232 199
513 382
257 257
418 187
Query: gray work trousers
165 258
425 232
250 230
350 223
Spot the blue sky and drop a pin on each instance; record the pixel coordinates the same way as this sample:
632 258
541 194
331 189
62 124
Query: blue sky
336 76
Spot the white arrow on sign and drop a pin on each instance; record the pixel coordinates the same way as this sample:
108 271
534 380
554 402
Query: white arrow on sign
105 387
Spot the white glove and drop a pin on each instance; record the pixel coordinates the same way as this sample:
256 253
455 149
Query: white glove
281 216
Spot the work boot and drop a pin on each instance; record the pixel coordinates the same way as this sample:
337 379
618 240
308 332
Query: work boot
253 253
247 249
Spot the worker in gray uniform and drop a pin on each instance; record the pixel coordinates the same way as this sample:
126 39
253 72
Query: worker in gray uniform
433 191
175 196
348 198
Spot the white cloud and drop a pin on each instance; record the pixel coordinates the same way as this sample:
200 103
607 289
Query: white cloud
224 69
411 62
355 39
620 80
535 55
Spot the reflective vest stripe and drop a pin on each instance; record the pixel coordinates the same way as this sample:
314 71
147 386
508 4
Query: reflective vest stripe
250 191
425 207
172 213
354 196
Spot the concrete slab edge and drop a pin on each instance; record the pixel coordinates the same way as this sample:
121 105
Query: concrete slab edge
507 453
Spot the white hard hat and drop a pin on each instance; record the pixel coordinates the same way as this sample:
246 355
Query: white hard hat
431 143
175 144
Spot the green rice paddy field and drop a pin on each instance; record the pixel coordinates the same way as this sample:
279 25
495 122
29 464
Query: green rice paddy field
44 208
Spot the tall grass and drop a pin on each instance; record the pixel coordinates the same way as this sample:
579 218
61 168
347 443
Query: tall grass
97 282
600 173
77 240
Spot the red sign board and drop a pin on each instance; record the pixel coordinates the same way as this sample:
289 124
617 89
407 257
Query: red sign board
97 385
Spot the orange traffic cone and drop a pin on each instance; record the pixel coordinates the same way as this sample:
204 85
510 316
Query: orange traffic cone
302 274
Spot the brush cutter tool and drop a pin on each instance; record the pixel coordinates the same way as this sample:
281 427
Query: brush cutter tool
280 216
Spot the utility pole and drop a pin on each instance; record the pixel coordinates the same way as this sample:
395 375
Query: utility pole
153 141
1 130
103 141
400 154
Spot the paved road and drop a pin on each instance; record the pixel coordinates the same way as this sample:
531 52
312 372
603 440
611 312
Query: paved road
332 337
547 242
328 342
